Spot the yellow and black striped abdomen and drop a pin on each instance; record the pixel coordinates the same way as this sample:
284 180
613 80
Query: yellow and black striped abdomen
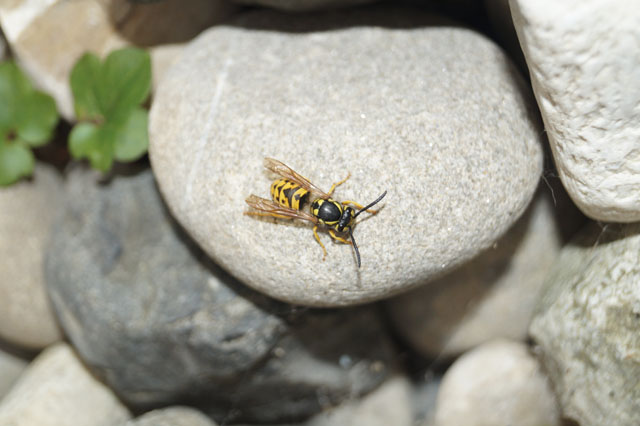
288 193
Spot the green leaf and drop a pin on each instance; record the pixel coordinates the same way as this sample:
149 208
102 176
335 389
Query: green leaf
85 80
27 117
126 80
37 117
87 140
109 95
16 161
13 86
132 139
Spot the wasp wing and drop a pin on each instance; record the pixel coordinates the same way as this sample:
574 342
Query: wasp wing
270 208
279 168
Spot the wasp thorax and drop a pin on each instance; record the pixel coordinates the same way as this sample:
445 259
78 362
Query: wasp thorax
345 220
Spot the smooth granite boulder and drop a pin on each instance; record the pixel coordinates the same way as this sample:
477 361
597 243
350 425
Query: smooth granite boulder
431 112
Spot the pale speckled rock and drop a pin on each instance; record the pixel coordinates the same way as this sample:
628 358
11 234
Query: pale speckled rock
57 390
497 384
28 211
390 404
149 312
303 5
587 326
11 367
492 296
436 115
47 48
172 416
583 58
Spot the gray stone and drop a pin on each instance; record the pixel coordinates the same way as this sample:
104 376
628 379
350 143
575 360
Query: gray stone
587 326
162 324
172 416
28 210
492 296
499 384
435 114
58 390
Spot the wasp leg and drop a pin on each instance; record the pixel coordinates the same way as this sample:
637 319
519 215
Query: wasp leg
266 214
337 184
335 237
324 250
360 206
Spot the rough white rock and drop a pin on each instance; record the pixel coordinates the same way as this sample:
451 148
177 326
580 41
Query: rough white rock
28 211
436 115
583 58
492 296
497 384
587 326
57 390
47 46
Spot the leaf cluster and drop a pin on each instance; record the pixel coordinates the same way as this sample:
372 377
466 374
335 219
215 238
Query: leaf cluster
27 120
107 97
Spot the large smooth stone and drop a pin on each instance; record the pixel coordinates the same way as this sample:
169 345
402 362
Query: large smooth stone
28 210
58 390
587 326
162 324
434 114
583 58
500 384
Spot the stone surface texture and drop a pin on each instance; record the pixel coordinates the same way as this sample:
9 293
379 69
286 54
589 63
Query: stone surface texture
162 324
587 326
172 416
28 211
434 114
390 404
492 296
11 367
583 58
47 47
57 390
497 384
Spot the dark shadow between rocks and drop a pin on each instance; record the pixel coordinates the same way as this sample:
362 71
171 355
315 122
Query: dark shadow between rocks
391 16
149 24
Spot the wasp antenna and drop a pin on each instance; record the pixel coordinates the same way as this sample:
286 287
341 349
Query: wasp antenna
355 247
371 204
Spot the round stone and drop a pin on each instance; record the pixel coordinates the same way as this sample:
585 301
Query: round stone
500 384
28 210
436 115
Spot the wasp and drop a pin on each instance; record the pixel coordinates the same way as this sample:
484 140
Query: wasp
291 192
